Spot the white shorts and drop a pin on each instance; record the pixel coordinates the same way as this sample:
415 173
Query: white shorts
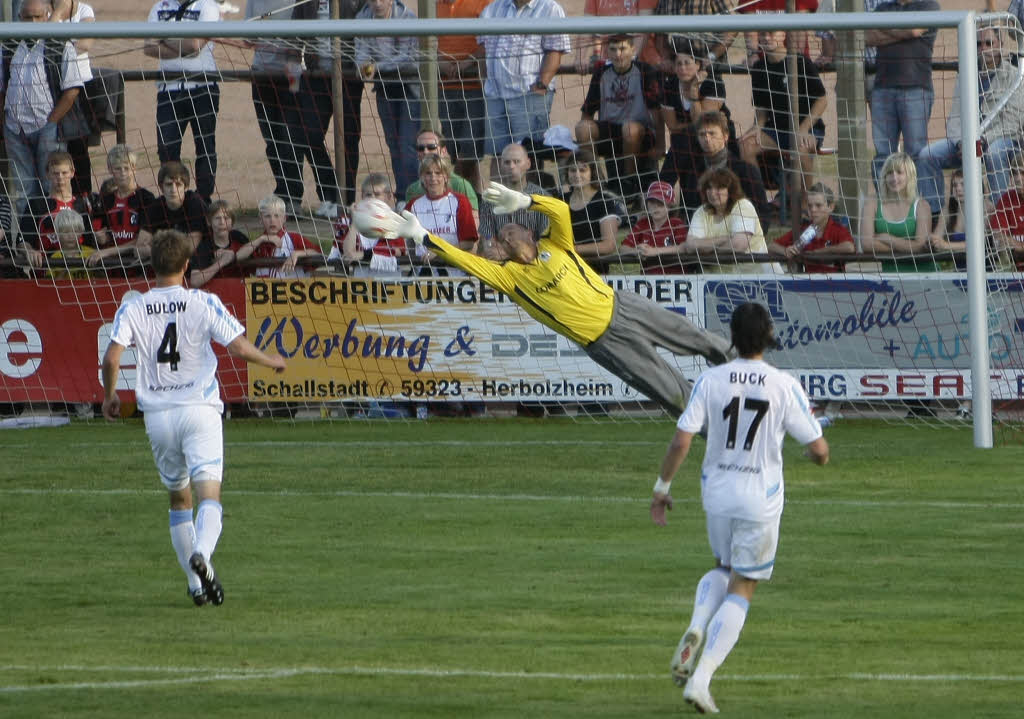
186 441
747 547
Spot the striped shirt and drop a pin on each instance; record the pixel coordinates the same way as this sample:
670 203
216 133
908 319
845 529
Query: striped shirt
513 61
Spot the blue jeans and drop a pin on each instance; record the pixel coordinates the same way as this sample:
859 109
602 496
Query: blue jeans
28 152
944 155
398 106
196 108
516 118
896 111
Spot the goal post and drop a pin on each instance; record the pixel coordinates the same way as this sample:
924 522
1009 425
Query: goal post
970 381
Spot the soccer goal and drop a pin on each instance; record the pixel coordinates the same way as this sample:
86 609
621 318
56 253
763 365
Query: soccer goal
922 329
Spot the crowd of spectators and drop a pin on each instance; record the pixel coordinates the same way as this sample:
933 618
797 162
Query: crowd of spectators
695 204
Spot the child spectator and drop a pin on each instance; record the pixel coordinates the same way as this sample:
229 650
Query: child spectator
37 223
215 255
377 256
658 236
68 228
625 94
276 242
177 208
121 206
822 234
1008 220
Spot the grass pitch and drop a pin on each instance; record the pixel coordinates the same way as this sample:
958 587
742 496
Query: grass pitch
501 569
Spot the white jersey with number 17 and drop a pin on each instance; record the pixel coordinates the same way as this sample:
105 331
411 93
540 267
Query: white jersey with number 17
171 328
748 407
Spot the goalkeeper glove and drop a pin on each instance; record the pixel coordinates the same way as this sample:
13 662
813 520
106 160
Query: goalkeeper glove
411 228
506 200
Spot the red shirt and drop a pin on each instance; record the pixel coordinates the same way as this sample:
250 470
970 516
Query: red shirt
290 242
834 235
671 234
122 216
1010 213
387 247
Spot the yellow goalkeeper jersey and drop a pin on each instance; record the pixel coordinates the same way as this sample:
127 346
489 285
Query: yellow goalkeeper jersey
558 289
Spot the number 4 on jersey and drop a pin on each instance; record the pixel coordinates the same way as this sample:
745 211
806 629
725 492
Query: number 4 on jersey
168 350
732 413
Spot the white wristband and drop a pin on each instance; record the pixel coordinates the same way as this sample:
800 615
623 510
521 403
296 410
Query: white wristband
661 486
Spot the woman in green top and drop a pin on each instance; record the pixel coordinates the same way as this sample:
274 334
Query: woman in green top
899 222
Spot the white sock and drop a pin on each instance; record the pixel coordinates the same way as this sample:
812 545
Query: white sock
208 526
711 591
183 539
723 632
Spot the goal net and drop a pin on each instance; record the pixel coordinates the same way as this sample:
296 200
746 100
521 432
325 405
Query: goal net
638 132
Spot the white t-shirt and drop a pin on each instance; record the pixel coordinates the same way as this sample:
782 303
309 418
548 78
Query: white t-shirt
742 218
748 407
171 328
203 63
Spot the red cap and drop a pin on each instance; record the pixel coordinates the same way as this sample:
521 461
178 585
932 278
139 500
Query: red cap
662 192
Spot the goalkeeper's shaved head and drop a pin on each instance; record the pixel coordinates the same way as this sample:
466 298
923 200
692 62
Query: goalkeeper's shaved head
752 330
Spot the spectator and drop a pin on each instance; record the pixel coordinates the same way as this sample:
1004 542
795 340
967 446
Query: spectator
592 49
78 147
215 255
712 130
276 66
821 234
951 233
443 212
461 105
726 224
658 236
429 142
595 213
898 222
177 208
276 242
1008 219
122 208
36 224
901 100
69 226
799 39
1002 106
316 103
378 257
690 91
769 82
39 116
513 167
9 251
181 102
626 95
519 89
719 44
390 63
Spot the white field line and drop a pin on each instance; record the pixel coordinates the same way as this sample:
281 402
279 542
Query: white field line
472 497
193 675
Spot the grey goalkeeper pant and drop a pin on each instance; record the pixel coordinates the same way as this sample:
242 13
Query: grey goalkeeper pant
628 349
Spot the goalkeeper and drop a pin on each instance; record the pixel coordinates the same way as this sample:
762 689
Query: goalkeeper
620 331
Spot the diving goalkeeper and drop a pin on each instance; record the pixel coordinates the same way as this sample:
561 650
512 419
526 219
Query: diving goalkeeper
620 331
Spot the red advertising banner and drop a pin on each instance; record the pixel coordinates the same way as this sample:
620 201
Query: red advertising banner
53 336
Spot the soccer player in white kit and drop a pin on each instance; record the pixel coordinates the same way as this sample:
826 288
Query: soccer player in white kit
748 406
176 388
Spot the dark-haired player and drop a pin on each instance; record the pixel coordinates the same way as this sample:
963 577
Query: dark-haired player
748 406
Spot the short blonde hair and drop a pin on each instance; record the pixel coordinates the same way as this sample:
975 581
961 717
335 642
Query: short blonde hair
120 153
898 161
68 222
271 203
440 162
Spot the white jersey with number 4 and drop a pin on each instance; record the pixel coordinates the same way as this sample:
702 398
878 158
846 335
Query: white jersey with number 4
748 407
171 328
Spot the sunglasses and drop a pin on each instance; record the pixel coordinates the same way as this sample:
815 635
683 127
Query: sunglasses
426 148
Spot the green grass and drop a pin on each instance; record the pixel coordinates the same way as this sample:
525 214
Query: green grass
501 569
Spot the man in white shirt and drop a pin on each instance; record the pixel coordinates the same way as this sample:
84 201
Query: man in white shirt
190 96
176 387
40 84
747 407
